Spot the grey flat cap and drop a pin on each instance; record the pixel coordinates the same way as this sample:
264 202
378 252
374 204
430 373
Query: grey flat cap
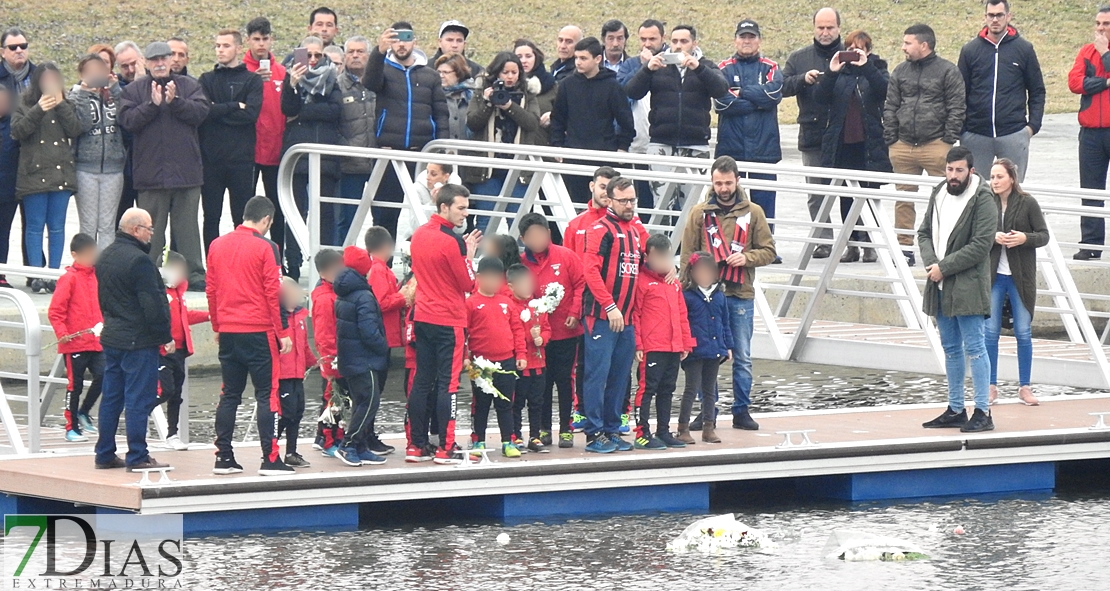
157 49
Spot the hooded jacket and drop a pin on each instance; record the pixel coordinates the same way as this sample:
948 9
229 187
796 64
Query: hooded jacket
132 296
748 121
1023 214
1004 86
356 125
360 336
868 85
100 149
312 119
680 101
710 325
760 249
412 109
165 148
270 127
592 114
1087 78
46 161
925 101
74 307
294 364
228 133
813 115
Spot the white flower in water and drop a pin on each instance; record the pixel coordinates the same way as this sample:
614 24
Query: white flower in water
525 315
97 329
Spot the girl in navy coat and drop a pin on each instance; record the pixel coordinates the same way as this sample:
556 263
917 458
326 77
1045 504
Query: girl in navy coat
709 325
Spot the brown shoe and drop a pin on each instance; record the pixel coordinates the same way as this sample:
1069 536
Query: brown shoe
148 464
684 434
709 432
116 462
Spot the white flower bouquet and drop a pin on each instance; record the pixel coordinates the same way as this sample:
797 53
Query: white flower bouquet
551 298
481 372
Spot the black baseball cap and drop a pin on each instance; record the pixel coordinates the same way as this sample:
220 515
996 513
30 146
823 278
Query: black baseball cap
747 27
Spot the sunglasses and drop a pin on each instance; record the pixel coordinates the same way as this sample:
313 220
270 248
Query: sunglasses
316 55
16 46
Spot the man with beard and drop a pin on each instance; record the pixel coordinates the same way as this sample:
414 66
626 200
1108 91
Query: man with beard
734 231
956 238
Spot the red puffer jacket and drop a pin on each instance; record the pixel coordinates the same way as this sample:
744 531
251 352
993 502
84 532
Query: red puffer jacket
76 307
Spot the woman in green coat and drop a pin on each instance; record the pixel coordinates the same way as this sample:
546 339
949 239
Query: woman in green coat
1021 231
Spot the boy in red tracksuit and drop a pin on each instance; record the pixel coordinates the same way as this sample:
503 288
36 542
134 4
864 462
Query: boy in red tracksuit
74 312
662 341
171 371
294 365
530 385
391 299
328 264
495 332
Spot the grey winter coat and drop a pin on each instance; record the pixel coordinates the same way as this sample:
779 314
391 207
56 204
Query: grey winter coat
966 265
46 148
100 148
925 101
1023 214
356 123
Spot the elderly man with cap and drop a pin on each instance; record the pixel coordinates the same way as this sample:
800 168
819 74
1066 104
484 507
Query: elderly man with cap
452 41
162 111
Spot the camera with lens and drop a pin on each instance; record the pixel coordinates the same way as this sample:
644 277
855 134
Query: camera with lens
501 94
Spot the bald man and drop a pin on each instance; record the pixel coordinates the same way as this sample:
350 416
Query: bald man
136 324
569 36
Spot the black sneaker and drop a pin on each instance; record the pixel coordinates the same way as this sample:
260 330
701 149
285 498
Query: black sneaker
822 251
278 468
695 425
911 259
296 460
1087 255
949 419
380 448
115 462
150 463
743 420
670 440
227 465
545 438
37 285
566 440
979 422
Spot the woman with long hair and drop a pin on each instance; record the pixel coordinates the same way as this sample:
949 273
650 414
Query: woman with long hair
540 83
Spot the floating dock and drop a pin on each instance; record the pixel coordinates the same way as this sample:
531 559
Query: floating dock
855 455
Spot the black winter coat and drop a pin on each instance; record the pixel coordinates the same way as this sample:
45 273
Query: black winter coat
925 101
1002 82
316 122
9 160
132 296
592 114
813 115
165 149
412 109
836 89
228 133
359 331
680 105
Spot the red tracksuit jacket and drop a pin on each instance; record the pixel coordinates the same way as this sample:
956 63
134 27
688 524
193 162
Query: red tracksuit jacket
536 354
244 283
323 327
443 274
559 265
297 361
575 236
660 317
494 329
270 127
384 285
75 307
181 318
614 250
1088 78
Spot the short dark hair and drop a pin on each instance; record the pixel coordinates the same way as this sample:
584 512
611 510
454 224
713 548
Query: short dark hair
326 259
175 258
259 24
619 183
649 23
924 34
606 172
12 32
725 164
258 208
958 153
402 26
590 44
448 169
376 238
693 31
87 59
612 26
490 265
515 272
322 10
1101 9
529 220
1005 4
658 242
447 194
81 242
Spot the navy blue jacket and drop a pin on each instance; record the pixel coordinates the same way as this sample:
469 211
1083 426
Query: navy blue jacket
869 85
680 104
709 324
360 333
1004 85
748 124
9 160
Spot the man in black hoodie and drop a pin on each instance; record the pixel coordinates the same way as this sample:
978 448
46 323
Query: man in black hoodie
591 112
228 133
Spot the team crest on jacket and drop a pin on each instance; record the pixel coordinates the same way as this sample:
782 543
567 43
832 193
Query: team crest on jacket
505 309
277 85
555 268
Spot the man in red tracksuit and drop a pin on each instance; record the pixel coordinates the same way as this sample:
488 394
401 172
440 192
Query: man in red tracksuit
269 129
171 371
328 265
243 287
442 265
575 236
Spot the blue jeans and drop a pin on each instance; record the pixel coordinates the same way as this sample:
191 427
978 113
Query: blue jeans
46 210
963 342
492 186
1023 328
131 385
351 186
608 364
742 319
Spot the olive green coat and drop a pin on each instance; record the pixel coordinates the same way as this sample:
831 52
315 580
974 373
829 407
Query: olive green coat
966 265
1023 214
46 158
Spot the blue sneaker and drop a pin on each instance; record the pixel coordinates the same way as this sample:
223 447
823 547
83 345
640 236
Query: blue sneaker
370 458
625 427
329 452
621 444
85 421
349 455
577 422
75 437
601 445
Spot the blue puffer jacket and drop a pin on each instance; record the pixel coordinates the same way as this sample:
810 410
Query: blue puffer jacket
360 334
9 160
748 124
709 323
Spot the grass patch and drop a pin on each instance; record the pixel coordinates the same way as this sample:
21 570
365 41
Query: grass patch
61 30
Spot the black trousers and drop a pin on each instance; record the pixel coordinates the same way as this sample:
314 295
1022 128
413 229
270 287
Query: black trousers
365 392
269 176
1094 158
506 384
658 378
701 378
291 393
129 195
439 355
76 366
530 392
561 357
252 354
390 191
237 179
7 216
171 384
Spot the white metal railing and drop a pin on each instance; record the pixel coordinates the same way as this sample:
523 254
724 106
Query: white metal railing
31 346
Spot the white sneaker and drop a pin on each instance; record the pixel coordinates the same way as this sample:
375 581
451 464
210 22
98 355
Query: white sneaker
175 443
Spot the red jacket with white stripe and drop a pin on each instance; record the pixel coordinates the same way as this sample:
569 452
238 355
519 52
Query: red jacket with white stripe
243 283
660 317
323 327
559 265
443 274
181 318
296 362
75 306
